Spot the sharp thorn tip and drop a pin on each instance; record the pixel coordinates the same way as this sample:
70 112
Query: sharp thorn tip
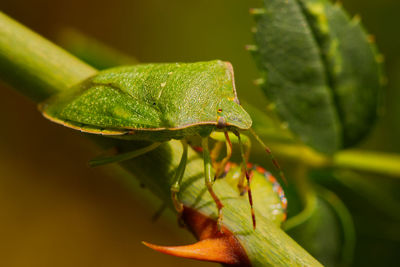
257 11
259 81
218 249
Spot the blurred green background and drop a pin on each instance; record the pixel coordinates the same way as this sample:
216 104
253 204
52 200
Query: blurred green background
56 211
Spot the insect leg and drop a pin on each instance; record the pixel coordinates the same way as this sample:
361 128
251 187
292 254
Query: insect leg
229 140
176 185
246 144
124 156
209 180
222 164
215 152
253 217
159 212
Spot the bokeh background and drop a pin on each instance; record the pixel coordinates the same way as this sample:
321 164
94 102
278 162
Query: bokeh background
56 211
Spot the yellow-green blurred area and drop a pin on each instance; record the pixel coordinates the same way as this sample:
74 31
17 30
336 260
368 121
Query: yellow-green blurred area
54 209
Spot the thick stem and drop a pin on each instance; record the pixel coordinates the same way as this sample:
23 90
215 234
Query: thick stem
352 159
368 161
38 68
35 66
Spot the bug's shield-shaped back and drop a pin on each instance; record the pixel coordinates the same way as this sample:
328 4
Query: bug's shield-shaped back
151 97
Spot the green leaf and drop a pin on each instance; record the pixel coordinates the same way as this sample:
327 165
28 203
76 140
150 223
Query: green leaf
352 64
319 69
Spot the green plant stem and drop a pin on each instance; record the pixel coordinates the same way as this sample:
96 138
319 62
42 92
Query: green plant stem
22 65
368 161
38 69
353 159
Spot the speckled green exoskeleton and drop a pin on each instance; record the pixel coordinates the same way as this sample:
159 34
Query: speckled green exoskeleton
156 102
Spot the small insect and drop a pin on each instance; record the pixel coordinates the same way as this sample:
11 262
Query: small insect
157 103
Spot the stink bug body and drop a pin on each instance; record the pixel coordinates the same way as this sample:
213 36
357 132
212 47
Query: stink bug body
156 102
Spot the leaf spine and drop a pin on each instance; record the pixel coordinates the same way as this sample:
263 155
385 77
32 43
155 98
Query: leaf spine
259 81
371 38
338 4
380 58
356 19
284 125
257 13
271 106
251 48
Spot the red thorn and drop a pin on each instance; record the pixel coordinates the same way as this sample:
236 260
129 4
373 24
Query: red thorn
214 250
214 245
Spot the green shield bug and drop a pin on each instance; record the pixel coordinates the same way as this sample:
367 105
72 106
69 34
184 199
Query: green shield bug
157 102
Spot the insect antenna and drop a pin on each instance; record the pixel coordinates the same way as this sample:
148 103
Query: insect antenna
269 152
253 216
